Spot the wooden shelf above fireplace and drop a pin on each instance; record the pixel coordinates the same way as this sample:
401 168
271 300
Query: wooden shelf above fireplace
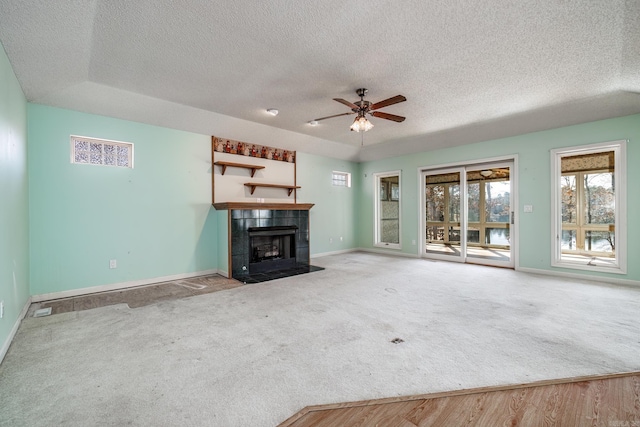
253 186
253 168
223 206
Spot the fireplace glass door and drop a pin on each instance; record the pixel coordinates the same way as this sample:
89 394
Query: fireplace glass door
272 248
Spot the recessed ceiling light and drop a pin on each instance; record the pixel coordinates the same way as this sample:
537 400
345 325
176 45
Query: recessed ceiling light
313 122
272 111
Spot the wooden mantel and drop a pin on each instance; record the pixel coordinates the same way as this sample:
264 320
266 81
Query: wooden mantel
223 206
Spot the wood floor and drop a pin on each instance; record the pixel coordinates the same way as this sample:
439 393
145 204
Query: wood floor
597 401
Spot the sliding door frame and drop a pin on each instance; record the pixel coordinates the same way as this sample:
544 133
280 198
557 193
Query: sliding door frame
423 171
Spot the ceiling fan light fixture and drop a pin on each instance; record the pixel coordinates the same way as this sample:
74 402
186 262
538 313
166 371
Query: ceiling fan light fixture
486 173
361 124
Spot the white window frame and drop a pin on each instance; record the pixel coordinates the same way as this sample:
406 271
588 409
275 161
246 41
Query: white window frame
338 182
620 176
104 142
376 198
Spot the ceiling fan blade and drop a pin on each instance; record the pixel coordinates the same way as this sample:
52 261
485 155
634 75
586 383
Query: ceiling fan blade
347 103
388 116
335 115
390 101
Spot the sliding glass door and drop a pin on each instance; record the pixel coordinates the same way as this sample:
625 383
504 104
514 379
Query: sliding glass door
469 215
443 214
490 214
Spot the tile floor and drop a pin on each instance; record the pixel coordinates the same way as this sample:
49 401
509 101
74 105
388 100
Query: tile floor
150 294
140 296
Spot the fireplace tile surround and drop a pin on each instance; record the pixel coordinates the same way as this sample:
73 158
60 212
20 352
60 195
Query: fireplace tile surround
243 219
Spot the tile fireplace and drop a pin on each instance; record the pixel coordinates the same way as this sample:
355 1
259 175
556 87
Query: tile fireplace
266 238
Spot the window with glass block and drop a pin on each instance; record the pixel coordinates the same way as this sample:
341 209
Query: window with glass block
94 151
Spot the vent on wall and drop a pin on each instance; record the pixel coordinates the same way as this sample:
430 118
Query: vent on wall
42 312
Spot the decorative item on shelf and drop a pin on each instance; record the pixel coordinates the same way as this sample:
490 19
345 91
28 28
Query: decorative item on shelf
253 150
288 156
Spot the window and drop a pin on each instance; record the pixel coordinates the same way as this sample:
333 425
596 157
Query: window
341 179
101 152
589 205
387 210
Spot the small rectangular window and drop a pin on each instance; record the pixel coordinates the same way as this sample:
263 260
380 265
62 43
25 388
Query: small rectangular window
341 179
94 151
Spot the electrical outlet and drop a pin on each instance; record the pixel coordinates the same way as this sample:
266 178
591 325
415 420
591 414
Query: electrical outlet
1 309
113 263
528 208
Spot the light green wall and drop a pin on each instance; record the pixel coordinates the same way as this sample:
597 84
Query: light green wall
335 211
534 177
155 219
14 207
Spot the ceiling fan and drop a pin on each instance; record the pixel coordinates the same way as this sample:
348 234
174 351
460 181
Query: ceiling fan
362 108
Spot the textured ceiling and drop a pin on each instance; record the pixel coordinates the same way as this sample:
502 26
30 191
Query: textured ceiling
470 70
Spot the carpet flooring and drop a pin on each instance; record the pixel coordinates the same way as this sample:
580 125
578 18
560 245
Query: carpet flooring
367 327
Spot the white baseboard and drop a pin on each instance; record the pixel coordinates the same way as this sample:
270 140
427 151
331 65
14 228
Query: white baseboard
372 250
342 251
614 280
116 286
389 252
224 273
14 330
